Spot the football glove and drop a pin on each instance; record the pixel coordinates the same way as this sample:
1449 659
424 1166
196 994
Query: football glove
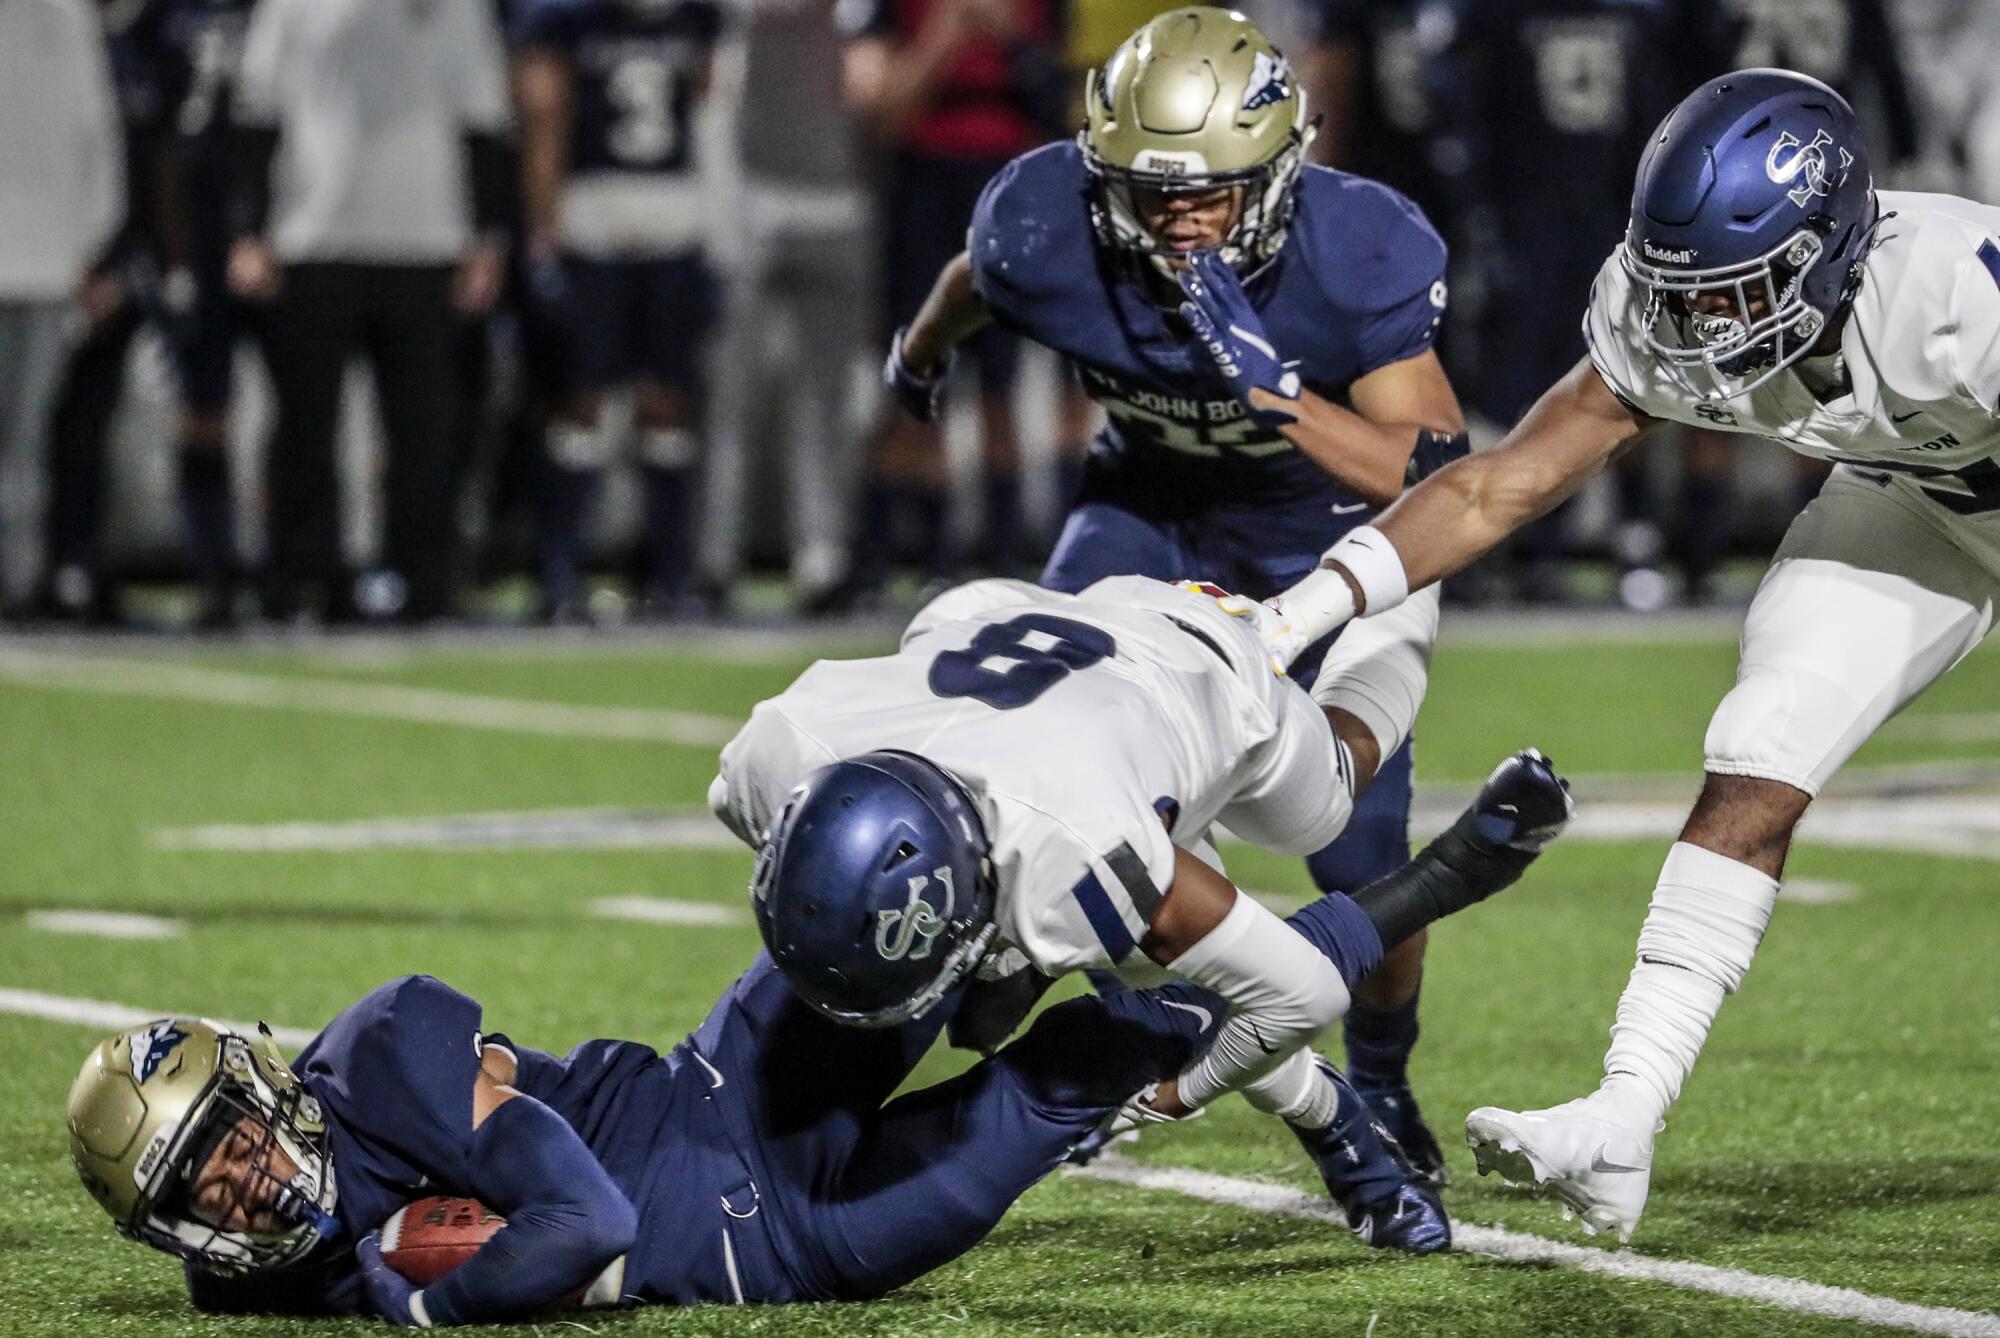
390 1294
1283 637
922 397
1227 325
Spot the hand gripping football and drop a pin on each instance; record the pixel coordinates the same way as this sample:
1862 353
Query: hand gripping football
428 1238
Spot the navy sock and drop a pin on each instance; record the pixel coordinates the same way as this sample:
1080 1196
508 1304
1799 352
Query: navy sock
566 498
208 514
669 545
1343 932
1003 522
1704 525
932 507
1379 1041
1069 480
875 547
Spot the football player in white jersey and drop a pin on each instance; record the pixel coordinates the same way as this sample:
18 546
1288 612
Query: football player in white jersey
1039 772
1765 288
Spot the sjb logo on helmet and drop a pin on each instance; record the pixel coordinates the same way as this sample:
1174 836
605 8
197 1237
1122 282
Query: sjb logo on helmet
1809 161
911 931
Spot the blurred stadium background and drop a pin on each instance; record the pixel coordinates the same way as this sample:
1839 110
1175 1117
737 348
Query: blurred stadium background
779 152
261 822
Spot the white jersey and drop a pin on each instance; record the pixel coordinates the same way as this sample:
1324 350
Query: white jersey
1085 726
1922 348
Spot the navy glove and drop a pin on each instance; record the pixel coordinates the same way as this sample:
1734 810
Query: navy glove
390 1294
1219 312
922 397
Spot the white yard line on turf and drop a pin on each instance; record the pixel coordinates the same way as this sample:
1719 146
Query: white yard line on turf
667 911
96 1013
1808 1298
105 924
551 829
131 677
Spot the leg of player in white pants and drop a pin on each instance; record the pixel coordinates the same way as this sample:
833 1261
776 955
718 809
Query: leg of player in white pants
1868 602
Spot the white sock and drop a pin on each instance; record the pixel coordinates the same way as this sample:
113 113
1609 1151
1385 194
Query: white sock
1708 915
1297 1092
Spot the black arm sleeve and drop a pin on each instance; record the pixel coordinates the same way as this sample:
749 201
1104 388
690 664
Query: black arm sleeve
256 150
490 168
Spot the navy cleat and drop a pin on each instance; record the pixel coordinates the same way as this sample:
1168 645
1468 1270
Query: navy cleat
1386 1200
1396 1107
1522 807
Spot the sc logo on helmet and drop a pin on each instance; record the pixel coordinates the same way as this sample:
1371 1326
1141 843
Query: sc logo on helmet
911 931
1808 160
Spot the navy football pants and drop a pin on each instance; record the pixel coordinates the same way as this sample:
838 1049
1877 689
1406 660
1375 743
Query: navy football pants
867 1196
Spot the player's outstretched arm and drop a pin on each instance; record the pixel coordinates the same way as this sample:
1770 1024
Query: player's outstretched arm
920 354
1445 522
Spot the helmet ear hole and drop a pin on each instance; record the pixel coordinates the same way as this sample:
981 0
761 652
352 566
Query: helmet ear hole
903 852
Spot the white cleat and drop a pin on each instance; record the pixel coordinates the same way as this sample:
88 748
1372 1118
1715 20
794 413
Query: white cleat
1599 1170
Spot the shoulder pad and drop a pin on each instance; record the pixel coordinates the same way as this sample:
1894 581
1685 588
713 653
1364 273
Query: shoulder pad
1370 246
1031 228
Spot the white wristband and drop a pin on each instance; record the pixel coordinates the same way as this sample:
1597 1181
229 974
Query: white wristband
1376 567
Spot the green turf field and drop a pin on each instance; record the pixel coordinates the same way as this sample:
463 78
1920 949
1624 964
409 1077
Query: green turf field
1839 1130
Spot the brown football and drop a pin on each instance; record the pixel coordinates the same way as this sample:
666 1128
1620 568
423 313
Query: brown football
427 1239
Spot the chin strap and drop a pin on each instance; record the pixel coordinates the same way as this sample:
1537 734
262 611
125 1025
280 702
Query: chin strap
295 1206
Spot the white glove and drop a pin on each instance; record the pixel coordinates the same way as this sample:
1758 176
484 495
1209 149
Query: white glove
1284 639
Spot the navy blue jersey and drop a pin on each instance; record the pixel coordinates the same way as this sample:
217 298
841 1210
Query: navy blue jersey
1359 284
637 67
198 46
394 1076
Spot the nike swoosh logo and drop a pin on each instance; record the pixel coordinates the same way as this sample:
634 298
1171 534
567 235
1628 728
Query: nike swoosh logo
1597 1163
1350 509
1202 1015
1879 480
1262 1044
713 1071
1904 417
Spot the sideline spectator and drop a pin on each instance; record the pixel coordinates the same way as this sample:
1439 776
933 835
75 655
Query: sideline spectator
374 181
953 89
614 208
61 191
798 299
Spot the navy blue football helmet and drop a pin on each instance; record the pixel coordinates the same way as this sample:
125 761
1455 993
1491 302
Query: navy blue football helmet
875 890
1751 216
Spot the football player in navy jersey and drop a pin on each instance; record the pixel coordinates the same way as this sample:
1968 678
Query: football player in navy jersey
614 220
1193 164
201 45
755 1161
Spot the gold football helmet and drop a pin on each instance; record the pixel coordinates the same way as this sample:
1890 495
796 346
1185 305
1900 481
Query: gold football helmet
1195 99
152 1106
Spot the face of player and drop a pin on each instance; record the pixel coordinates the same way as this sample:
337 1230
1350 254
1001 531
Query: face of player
237 1188
1722 302
1189 221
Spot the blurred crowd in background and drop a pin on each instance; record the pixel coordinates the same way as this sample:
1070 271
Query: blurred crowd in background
394 311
